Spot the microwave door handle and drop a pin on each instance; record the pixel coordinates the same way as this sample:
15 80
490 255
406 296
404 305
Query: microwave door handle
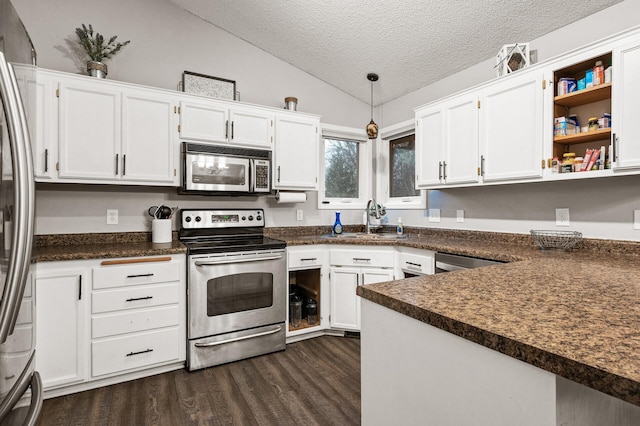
252 173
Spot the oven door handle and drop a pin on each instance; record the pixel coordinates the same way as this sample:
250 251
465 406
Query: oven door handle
237 339
225 261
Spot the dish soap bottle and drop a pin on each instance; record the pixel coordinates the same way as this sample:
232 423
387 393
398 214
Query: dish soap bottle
400 227
337 226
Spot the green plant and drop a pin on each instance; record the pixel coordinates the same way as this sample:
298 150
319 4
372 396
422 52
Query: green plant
95 46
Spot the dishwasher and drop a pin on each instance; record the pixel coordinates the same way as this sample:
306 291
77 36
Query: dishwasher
446 262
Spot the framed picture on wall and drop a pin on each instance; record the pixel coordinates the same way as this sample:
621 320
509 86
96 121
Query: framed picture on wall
206 85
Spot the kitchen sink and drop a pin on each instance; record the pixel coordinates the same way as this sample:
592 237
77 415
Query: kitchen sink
365 236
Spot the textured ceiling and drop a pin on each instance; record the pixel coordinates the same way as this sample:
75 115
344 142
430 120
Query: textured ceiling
409 44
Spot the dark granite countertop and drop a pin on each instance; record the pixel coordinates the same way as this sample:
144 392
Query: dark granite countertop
49 248
574 313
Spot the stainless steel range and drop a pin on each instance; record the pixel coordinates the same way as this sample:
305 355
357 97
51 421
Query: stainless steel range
237 286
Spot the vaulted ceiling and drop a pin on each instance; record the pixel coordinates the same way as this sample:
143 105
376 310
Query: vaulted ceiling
409 43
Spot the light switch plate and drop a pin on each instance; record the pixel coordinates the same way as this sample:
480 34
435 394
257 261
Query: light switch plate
636 219
460 216
562 217
434 215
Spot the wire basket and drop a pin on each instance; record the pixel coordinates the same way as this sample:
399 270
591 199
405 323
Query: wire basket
556 239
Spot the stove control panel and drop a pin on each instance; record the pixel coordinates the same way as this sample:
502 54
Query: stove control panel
240 218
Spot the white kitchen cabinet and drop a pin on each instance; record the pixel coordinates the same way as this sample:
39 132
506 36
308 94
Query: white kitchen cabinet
38 96
352 267
296 152
62 319
103 321
89 131
447 142
626 106
223 123
149 143
512 127
112 134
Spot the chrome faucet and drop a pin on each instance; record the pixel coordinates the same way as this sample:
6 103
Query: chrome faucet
376 214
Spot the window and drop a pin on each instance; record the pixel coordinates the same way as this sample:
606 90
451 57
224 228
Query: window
345 169
395 171
402 167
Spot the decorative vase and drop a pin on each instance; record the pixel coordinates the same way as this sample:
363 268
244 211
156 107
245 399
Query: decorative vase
337 226
97 69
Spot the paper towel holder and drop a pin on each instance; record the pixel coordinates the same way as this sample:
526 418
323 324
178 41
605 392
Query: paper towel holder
290 197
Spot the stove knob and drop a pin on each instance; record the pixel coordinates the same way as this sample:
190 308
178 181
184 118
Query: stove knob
187 219
198 218
244 218
258 217
250 217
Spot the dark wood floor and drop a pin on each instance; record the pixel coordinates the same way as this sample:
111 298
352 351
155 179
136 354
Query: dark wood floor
313 382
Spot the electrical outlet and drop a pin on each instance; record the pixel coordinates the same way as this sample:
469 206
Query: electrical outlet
434 215
299 215
459 216
562 217
636 219
112 217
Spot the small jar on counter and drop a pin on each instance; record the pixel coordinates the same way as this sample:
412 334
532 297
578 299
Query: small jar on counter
577 164
593 124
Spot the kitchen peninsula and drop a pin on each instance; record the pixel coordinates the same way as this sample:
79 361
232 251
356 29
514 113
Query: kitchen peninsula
496 345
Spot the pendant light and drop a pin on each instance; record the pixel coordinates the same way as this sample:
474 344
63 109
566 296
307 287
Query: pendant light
372 127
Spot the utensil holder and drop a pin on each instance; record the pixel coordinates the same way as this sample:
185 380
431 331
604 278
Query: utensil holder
161 231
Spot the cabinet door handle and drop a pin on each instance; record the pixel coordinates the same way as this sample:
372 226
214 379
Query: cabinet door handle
439 170
139 352
117 156
135 299
46 160
482 165
278 174
226 129
614 157
140 275
79 287
124 164
232 130
444 170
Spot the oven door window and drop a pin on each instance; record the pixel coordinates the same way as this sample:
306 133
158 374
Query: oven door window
219 173
239 293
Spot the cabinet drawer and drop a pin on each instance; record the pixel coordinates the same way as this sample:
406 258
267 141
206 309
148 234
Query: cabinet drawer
135 351
419 264
299 259
134 321
142 273
352 257
135 297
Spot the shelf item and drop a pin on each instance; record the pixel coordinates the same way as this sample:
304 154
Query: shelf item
596 135
585 96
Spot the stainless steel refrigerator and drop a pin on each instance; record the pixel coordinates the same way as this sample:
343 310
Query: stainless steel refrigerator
20 384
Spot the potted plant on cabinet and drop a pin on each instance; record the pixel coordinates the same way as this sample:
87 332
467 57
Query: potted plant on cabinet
97 49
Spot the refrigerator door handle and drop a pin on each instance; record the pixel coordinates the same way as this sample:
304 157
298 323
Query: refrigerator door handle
24 190
26 379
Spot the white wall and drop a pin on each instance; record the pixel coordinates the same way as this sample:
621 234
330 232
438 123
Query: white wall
165 41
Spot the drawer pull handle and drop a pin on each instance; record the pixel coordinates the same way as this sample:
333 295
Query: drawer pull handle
133 299
414 264
361 259
308 259
10 377
140 352
135 260
139 275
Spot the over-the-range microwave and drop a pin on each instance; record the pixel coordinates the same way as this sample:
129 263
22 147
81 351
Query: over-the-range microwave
223 170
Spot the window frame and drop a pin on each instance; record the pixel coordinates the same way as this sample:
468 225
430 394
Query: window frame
364 163
383 155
